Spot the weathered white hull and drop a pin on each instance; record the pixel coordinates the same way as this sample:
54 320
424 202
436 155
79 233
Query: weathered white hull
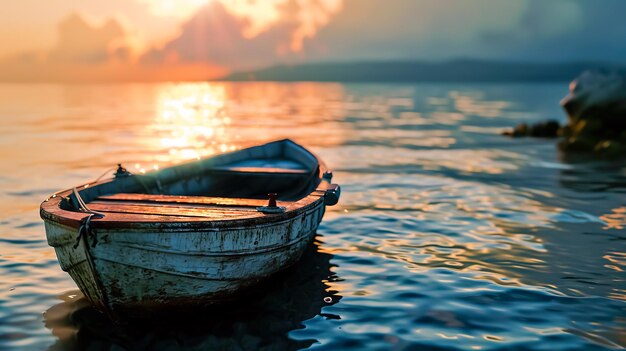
192 233
149 266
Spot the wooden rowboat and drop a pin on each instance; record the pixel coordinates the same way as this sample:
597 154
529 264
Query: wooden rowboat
193 233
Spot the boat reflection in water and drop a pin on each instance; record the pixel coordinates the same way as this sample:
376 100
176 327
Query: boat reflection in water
261 318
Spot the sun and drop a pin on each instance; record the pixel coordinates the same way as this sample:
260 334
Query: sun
174 8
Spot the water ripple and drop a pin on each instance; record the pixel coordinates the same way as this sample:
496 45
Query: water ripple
447 237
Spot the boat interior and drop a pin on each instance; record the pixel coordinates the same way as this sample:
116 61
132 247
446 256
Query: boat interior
223 187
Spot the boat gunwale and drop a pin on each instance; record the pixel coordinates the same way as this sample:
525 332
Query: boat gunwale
50 209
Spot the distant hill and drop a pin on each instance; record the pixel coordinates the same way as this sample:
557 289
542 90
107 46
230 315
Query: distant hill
411 71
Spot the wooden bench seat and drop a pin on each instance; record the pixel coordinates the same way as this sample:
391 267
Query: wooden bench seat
212 208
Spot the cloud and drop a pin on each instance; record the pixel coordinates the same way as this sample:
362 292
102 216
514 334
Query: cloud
241 34
95 52
541 22
218 36
305 16
440 29
214 35
82 42
551 18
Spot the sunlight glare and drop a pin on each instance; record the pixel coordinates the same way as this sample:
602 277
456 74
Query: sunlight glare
173 8
189 120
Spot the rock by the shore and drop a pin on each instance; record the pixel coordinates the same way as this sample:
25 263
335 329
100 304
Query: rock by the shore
596 107
597 94
548 129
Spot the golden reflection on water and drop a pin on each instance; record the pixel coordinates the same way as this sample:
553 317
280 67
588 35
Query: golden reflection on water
616 219
474 103
191 122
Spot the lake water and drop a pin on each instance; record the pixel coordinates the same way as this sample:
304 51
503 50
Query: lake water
448 236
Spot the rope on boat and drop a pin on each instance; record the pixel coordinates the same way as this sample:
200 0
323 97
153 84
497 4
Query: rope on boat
121 171
82 206
84 185
102 175
85 230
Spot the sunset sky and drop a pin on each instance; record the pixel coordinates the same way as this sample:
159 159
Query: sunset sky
148 40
